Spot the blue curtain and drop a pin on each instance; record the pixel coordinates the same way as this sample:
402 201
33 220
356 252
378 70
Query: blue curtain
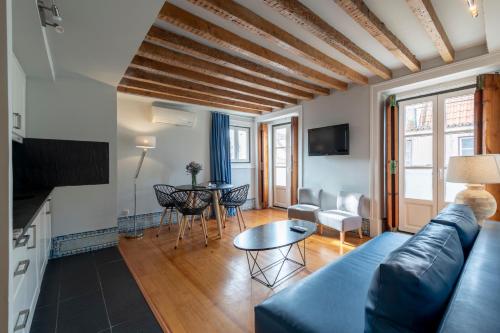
220 159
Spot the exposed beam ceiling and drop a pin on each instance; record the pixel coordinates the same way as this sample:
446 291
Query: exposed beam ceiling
174 98
425 13
310 21
248 20
198 26
182 73
189 46
153 87
174 58
358 10
141 75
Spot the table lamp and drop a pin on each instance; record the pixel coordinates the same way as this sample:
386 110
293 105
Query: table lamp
475 171
145 143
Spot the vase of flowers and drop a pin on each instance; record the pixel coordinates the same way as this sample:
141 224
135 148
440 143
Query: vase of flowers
193 169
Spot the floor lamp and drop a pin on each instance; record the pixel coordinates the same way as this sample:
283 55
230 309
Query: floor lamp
145 143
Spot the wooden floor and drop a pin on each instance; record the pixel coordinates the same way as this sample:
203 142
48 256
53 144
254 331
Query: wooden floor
208 289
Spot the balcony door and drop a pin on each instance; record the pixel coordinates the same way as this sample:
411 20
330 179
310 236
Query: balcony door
281 142
432 129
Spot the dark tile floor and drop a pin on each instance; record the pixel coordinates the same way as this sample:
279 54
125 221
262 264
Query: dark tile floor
91 293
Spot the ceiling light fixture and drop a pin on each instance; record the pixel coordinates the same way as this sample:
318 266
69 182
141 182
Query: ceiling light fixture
472 4
52 18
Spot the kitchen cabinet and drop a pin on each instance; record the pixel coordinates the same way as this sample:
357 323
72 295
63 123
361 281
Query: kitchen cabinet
29 259
18 98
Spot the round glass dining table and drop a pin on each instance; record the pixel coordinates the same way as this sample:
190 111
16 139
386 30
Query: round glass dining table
216 188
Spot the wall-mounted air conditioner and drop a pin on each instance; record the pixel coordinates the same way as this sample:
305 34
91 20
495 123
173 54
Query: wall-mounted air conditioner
173 117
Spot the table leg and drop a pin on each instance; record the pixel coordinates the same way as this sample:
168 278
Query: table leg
215 202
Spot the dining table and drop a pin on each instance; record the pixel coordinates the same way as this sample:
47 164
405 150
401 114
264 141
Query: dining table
216 189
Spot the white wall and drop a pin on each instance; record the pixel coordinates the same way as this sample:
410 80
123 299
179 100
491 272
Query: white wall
176 146
76 109
335 173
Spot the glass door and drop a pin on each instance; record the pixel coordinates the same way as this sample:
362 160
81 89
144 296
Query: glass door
281 165
432 129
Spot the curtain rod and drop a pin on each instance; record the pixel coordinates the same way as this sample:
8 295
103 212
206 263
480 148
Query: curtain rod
437 93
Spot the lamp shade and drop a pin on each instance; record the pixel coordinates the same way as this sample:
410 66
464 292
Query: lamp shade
145 142
478 169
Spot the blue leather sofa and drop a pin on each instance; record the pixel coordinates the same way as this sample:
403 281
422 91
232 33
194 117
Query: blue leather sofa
340 296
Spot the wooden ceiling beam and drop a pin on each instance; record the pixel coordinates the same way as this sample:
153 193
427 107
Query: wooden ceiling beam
375 27
248 20
131 83
222 37
425 13
199 50
310 21
152 94
141 75
174 58
185 74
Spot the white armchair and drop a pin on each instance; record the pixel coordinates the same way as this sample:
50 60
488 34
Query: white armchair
346 217
308 206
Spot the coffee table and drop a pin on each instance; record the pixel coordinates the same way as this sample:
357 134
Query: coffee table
275 235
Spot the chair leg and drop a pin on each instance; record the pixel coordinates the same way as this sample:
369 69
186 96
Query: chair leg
238 217
242 218
161 221
170 219
224 216
185 224
360 233
321 229
204 227
179 235
342 237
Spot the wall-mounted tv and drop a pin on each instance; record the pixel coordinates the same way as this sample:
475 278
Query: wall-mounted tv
330 140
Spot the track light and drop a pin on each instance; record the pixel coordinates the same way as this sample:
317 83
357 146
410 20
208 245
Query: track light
472 4
52 18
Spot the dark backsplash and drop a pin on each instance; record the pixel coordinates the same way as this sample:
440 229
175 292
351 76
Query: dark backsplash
45 163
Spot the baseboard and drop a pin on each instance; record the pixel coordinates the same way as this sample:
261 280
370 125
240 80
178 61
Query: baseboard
88 241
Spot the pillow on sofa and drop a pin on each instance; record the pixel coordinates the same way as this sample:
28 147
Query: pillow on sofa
461 218
410 289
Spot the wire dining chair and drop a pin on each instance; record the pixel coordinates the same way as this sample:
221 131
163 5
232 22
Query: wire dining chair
163 195
235 198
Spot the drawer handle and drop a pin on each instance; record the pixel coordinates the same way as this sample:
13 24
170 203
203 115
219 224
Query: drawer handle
18 122
22 240
25 314
34 238
22 267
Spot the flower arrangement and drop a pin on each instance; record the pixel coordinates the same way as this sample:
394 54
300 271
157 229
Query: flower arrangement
193 168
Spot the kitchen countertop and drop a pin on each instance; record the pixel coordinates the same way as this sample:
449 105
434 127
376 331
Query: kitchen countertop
25 209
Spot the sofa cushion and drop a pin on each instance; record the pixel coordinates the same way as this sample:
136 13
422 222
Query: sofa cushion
463 220
349 202
411 287
339 220
331 299
303 212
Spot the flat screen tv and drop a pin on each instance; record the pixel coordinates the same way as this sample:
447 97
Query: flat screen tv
330 140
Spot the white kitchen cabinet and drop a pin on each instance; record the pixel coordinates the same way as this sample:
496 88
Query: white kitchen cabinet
29 259
18 98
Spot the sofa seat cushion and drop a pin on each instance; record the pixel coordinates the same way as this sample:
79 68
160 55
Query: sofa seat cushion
411 287
340 220
331 299
462 218
303 212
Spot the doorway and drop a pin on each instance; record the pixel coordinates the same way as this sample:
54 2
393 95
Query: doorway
281 165
432 129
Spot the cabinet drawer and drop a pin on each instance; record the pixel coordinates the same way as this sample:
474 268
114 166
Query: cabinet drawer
20 262
21 312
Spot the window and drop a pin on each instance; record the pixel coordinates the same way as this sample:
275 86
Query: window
239 138
466 145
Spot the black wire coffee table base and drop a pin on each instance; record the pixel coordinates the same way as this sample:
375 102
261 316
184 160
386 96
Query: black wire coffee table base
258 273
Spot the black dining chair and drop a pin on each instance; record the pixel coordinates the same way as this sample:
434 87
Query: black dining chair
191 203
234 198
163 195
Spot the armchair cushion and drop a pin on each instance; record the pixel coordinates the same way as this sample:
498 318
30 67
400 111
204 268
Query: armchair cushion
349 202
303 212
340 220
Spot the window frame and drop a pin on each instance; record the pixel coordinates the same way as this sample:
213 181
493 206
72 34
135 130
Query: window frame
236 129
